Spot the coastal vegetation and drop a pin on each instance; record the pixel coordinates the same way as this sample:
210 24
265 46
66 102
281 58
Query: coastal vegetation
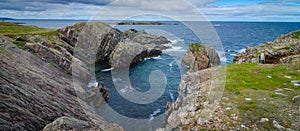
256 95
256 91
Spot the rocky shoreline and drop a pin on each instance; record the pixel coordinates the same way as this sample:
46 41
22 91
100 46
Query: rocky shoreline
191 110
38 71
284 49
37 81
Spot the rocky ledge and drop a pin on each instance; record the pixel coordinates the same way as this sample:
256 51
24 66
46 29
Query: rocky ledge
38 69
35 93
199 91
284 49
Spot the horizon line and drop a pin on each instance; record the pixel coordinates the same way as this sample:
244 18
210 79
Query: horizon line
161 20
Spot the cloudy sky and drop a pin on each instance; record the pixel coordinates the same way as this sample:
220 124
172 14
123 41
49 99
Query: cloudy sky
213 10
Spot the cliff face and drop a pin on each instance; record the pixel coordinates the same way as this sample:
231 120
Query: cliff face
34 93
199 91
200 57
36 81
284 49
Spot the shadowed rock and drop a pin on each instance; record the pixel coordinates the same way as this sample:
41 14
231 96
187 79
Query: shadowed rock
35 93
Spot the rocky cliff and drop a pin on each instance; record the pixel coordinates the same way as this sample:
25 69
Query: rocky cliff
38 69
284 49
200 90
35 93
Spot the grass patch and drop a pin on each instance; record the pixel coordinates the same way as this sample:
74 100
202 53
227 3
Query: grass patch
15 30
20 44
257 76
7 28
296 35
195 47
259 82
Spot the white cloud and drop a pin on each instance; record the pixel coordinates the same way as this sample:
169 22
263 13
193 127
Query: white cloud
121 9
260 12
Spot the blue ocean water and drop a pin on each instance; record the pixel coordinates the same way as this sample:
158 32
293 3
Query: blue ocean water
235 36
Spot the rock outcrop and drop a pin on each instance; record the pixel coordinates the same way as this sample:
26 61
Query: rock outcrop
284 49
199 92
150 40
35 93
37 84
128 53
200 57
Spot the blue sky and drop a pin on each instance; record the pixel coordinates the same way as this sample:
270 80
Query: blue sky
213 10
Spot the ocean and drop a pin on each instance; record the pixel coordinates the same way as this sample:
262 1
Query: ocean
234 36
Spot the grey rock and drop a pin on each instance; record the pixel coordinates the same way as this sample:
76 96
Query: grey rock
296 99
200 57
128 53
66 123
263 120
278 126
34 93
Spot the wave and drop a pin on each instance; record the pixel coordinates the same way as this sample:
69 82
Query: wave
176 41
172 96
155 58
106 70
126 89
223 59
92 83
154 114
175 48
242 50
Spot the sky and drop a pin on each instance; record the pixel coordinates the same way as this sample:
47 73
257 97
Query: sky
190 10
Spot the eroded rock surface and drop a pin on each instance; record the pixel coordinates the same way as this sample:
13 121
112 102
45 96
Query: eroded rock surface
35 93
199 92
200 56
284 49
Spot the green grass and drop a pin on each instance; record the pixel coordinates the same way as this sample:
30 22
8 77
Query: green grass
195 47
7 28
15 30
255 76
296 35
249 80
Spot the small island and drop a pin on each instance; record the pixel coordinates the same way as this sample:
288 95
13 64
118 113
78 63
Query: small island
140 23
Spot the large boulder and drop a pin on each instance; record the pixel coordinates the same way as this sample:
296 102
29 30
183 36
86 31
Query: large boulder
128 53
200 56
94 41
150 40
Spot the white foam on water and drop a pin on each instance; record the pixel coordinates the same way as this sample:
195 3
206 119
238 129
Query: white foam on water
176 41
153 114
155 58
171 64
217 25
223 59
242 50
175 48
232 54
106 70
172 96
92 83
